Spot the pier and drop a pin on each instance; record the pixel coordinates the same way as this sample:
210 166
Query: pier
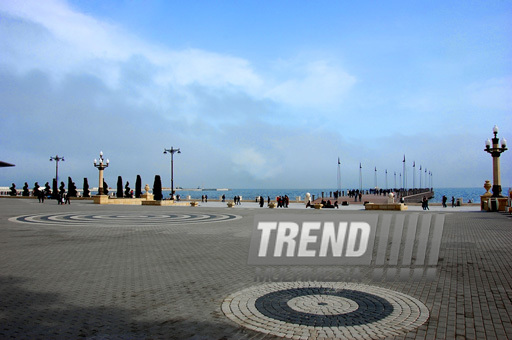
409 196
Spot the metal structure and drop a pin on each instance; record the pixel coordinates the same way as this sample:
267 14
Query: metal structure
101 166
495 150
57 159
172 151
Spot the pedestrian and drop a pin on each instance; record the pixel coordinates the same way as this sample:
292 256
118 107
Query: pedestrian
424 203
261 201
444 201
453 201
206 198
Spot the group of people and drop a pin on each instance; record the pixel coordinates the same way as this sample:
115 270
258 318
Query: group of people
424 203
282 201
445 199
325 204
237 200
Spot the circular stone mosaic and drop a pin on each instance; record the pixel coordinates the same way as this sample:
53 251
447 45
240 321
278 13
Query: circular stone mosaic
325 310
122 220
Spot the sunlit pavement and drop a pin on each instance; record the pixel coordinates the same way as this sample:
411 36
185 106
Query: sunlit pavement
142 272
350 207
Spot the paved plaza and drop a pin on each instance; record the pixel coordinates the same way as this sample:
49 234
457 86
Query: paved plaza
148 272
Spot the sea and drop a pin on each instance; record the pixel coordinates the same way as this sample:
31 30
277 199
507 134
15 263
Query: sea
466 194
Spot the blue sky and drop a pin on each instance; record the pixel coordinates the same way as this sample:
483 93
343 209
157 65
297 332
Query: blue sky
257 94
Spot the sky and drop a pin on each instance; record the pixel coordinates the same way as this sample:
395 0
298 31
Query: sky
256 94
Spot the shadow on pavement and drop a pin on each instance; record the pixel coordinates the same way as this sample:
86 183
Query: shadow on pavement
27 314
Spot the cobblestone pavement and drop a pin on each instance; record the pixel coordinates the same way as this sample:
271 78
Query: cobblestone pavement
142 272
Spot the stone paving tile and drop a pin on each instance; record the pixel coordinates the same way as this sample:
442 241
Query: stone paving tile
168 281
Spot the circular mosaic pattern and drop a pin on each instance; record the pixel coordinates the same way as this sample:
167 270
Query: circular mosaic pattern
122 220
322 304
325 310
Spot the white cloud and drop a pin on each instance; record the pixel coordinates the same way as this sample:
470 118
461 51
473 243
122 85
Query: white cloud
317 83
255 163
72 42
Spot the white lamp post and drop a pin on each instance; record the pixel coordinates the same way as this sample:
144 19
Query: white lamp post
495 150
101 166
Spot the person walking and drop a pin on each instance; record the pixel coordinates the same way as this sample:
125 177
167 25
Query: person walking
444 201
453 201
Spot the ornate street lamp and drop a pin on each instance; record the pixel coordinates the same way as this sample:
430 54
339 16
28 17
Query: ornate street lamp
57 159
172 151
101 166
495 150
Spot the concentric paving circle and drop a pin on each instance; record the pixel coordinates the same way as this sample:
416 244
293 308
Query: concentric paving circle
322 304
325 310
122 220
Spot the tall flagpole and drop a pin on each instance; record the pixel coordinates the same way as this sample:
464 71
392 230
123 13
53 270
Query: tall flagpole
414 174
386 179
405 176
375 178
360 178
426 183
339 175
420 177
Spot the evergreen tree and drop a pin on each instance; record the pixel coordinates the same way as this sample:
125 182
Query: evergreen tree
105 187
157 188
47 190
87 192
127 192
138 187
71 188
13 190
35 191
119 193
55 194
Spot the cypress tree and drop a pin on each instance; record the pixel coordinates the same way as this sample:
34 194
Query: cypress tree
138 187
119 187
71 188
127 192
105 187
157 188
87 192
55 194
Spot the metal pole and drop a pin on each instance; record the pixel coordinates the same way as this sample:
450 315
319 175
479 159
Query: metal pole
57 171
172 175
360 178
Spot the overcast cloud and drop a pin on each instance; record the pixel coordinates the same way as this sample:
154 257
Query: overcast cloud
73 84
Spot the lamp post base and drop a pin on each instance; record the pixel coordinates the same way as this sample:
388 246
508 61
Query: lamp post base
148 197
496 191
100 199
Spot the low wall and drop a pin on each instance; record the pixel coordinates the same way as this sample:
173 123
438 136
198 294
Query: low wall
385 206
